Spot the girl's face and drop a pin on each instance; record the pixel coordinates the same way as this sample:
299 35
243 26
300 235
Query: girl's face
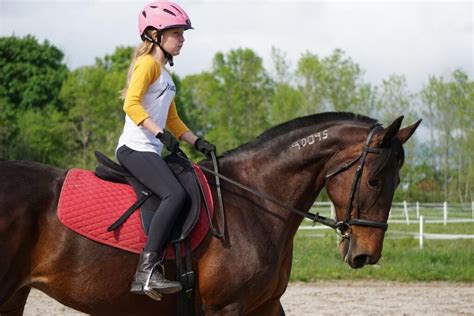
172 40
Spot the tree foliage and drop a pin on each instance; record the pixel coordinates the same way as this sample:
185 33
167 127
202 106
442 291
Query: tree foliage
31 73
237 96
450 112
333 83
287 103
91 96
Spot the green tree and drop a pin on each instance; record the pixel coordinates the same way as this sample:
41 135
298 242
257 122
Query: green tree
91 96
235 96
8 129
192 113
440 118
31 74
118 61
342 80
333 83
43 137
366 101
461 91
311 75
199 90
288 102
449 110
395 99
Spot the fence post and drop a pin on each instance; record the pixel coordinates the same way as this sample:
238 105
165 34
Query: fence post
333 215
422 222
445 213
405 209
417 210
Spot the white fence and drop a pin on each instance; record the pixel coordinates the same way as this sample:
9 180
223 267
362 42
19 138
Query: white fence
417 213
433 212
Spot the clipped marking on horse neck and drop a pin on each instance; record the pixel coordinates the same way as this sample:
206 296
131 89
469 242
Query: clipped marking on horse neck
310 140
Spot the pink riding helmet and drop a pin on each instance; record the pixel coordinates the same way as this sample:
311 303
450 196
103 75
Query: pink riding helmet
162 15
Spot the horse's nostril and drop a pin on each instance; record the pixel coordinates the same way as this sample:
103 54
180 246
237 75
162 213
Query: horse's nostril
360 260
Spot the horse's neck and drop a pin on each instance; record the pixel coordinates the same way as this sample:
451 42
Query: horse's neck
289 169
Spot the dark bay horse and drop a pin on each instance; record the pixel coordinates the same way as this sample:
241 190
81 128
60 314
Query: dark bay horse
248 272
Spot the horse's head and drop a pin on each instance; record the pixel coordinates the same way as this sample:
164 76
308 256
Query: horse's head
361 181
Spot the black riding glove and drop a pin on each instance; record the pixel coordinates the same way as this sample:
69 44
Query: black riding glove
170 142
204 146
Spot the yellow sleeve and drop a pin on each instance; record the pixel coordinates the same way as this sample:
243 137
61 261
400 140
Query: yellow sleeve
174 123
145 72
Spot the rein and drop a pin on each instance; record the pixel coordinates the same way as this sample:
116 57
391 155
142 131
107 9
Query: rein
342 227
315 218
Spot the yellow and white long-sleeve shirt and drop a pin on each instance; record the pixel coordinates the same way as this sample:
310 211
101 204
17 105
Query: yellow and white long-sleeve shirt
150 94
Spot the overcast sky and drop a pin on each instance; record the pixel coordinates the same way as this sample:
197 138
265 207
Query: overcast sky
414 38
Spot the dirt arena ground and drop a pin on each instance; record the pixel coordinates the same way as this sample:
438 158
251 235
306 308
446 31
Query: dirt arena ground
342 297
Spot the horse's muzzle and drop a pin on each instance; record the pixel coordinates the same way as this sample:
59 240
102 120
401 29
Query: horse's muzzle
355 258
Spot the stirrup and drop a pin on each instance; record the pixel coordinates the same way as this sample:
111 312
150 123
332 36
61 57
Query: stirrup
151 293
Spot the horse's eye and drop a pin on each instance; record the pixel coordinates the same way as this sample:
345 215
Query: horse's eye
374 184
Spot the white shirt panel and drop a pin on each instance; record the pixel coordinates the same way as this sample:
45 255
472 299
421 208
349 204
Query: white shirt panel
156 101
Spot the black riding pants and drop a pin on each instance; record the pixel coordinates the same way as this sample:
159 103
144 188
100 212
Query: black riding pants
153 172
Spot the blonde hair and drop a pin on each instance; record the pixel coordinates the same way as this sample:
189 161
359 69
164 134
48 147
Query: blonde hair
145 48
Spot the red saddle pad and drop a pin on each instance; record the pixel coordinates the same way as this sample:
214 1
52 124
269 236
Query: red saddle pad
88 205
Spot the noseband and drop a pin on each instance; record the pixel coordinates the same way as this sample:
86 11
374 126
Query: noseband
344 226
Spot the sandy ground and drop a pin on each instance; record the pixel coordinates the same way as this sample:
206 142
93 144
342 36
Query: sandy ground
342 297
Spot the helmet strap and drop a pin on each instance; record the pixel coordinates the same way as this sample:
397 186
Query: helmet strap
168 56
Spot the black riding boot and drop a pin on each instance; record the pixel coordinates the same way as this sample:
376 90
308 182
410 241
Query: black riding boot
148 269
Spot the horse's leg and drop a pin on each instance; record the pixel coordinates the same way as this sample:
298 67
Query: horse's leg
270 308
16 303
273 307
233 309
17 237
282 311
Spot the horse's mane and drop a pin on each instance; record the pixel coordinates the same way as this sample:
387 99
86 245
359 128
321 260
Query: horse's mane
301 122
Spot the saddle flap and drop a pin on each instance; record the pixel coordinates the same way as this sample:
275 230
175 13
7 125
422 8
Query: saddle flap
189 217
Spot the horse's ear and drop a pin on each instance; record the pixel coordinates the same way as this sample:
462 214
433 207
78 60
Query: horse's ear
391 131
405 133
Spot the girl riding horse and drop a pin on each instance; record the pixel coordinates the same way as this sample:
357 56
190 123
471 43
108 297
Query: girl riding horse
150 108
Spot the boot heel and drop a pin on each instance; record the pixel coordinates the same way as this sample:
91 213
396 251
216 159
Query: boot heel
137 288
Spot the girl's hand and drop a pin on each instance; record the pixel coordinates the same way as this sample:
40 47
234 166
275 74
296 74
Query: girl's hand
170 142
204 146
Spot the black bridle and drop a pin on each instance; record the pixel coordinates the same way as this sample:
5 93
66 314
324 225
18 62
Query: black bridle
344 226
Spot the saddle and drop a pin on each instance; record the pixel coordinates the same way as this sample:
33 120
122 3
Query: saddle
148 203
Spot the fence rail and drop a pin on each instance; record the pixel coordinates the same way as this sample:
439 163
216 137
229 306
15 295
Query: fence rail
414 213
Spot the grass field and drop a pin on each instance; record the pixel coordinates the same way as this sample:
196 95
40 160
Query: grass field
316 256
